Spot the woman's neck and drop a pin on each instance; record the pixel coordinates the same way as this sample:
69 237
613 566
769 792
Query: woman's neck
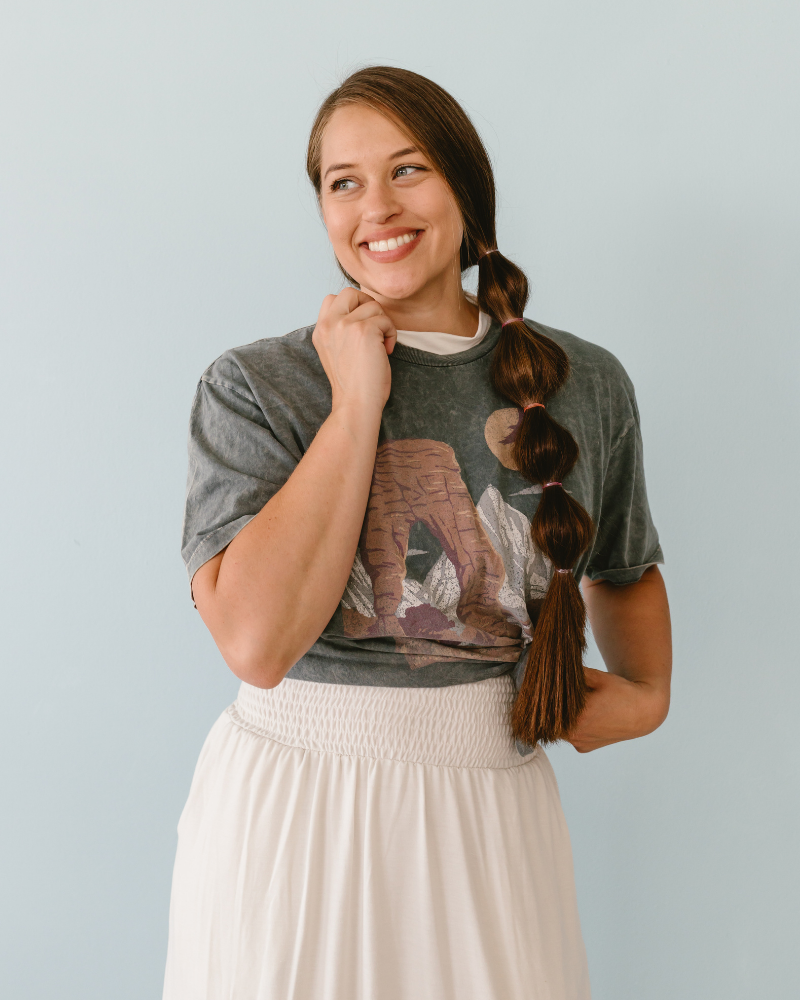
445 310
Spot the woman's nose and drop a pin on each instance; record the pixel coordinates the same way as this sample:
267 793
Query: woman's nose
380 204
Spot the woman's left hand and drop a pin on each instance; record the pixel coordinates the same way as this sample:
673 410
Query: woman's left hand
616 709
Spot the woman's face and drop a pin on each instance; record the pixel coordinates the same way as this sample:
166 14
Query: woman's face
391 218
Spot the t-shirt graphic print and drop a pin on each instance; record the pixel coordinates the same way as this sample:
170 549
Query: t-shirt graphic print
446 582
441 575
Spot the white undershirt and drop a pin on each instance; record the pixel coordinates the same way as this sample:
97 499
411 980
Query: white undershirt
444 343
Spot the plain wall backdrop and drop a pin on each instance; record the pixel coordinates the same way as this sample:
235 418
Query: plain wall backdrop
154 212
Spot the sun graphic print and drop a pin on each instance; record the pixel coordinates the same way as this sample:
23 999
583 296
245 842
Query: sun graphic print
442 575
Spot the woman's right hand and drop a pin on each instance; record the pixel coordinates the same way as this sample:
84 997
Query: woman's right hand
353 338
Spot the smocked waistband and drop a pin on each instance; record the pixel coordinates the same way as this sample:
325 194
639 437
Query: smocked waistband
461 725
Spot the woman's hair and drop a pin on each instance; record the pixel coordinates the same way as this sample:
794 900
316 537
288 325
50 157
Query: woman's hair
526 367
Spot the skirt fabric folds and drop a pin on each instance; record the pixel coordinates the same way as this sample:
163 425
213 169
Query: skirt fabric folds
343 842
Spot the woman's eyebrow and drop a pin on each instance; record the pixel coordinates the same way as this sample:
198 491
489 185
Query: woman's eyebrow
350 166
339 166
403 152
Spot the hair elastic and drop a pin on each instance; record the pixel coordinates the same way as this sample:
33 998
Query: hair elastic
563 571
550 484
514 319
486 252
531 405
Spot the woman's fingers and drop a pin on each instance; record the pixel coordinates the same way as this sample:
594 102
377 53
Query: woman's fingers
349 299
327 305
352 306
353 337
382 322
365 311
372 316
338 306
390 338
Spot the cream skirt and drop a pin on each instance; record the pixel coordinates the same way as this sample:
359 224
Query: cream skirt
371 843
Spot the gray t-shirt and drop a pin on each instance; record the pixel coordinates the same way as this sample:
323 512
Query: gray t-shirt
446 581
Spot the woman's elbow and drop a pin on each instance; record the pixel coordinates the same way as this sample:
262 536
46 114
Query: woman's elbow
257 670
249 653
656 711
263 675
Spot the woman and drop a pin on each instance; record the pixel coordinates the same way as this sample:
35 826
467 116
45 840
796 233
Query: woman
388 514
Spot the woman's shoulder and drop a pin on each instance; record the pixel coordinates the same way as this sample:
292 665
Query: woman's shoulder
585 357
599 387
270 362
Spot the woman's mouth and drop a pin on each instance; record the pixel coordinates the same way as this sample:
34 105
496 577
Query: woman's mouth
393 248
381 246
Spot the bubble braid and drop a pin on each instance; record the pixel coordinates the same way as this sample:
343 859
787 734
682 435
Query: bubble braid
526 365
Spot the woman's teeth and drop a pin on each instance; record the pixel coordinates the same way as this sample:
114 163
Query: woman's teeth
380 246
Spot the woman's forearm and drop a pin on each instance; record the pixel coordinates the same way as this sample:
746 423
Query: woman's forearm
268 596
631 627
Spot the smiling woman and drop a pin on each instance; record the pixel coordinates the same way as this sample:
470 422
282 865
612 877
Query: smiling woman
384 202
388 516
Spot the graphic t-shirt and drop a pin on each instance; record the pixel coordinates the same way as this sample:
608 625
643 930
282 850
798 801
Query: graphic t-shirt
446 583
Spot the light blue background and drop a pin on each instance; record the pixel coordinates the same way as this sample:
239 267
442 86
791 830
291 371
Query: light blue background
154 212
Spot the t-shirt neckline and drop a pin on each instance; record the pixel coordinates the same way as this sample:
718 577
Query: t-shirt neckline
414 356
445 343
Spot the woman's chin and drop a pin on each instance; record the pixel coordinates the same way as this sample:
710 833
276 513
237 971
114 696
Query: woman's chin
392 287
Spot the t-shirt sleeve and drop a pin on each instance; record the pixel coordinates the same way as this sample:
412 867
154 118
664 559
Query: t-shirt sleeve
626 542
237 463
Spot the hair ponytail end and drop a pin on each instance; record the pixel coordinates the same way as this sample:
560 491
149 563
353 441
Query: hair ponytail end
553 690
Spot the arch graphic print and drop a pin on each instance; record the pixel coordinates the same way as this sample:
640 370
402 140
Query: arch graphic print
478 597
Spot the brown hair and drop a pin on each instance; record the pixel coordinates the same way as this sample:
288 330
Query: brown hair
526 367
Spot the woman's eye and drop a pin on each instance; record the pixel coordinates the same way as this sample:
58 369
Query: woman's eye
407 171
343 184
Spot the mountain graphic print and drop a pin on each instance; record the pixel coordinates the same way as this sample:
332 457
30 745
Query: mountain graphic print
438 573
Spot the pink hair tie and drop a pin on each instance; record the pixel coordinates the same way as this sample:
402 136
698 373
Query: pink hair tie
487 252
531 405
514 319
563 571
550 484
